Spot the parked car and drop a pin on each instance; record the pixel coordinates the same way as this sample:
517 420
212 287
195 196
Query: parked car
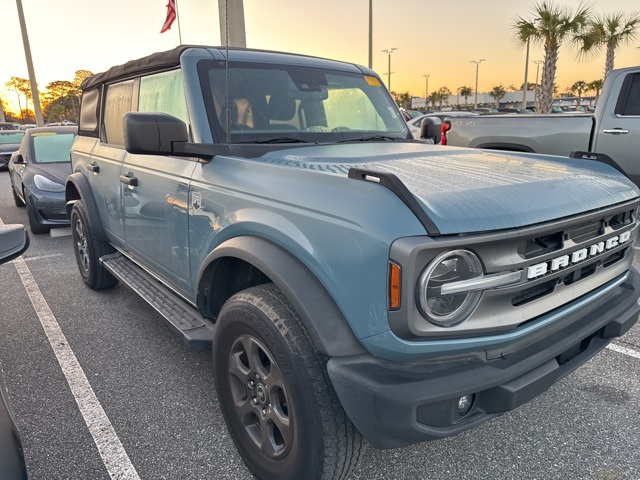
7 126
13 241
9 143
26 126
416 123
38 171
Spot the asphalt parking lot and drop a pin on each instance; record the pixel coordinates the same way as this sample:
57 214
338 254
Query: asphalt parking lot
95 375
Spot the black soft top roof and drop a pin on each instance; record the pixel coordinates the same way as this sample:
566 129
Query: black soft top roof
171 58
155 61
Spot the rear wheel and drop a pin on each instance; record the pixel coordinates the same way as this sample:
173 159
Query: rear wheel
275 393
88 249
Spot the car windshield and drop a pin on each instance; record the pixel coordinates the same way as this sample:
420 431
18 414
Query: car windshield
10 136
269 103
52 147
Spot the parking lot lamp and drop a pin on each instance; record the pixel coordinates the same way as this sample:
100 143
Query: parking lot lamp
477 62
389 51
426 87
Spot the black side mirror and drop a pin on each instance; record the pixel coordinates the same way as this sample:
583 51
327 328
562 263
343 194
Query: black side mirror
14 240
152 133
18 159
431 129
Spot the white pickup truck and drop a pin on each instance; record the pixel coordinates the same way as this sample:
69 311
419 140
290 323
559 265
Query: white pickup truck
614 130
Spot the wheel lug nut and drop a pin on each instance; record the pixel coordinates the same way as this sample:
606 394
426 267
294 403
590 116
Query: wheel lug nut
254 401
250 384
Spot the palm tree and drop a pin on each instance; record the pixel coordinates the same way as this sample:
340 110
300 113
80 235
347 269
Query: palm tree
596 85
443 95
580 86
465 92
609 31
550 26
497 93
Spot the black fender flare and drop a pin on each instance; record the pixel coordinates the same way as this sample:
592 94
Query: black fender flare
83 188
318 312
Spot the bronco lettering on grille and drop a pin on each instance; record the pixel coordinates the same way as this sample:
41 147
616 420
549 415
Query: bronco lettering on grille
572 258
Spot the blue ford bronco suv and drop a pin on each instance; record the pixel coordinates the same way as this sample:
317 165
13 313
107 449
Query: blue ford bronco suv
353 283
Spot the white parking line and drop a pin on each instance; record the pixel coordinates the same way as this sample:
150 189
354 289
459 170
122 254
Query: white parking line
114 457
616 347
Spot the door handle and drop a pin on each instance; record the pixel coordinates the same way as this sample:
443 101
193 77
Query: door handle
131 181
615 131
93 167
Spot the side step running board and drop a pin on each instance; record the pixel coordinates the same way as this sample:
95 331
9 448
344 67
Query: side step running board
185 319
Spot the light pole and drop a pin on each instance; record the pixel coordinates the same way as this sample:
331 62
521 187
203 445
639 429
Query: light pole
535 92
35 97
477 62
370 33
426 88
389 51
525 85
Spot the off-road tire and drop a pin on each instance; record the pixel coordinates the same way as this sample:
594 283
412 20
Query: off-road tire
88 249
275 394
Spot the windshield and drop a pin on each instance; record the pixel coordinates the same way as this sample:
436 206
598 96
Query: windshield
282 104
52 147
13 137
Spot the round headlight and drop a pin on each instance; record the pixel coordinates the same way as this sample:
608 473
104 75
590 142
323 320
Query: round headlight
449 267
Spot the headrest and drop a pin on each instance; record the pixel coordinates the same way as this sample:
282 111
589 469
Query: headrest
281 107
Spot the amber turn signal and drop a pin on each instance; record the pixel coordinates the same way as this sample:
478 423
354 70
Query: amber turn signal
394 286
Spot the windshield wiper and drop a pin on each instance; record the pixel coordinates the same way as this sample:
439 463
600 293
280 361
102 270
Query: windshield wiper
279 140
372 138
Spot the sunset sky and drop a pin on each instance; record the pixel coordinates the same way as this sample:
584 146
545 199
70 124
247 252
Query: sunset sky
435 38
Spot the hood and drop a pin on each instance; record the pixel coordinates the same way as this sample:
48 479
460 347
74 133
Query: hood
466 190
57 172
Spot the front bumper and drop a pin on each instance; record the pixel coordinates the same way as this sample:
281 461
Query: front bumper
398 404
49 207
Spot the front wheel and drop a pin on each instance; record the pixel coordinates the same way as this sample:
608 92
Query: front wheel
88 249
276 397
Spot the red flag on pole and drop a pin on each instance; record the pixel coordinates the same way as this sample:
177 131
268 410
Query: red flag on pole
171 16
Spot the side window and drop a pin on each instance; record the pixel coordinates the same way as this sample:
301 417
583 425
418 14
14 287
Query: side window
629 101
118 101
164 92
89 113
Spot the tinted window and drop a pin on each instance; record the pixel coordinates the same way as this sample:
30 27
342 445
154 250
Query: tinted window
51 147
118 101
631 105
164 93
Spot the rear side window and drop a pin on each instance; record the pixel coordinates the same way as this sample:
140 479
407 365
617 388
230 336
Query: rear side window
629 101
89 113
164 92
118 101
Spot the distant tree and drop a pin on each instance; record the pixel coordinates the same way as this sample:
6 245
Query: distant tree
80 76
465 92
403 99
579 87
433 98
608 32
20 86
550 26
497 93
596 86
443 95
